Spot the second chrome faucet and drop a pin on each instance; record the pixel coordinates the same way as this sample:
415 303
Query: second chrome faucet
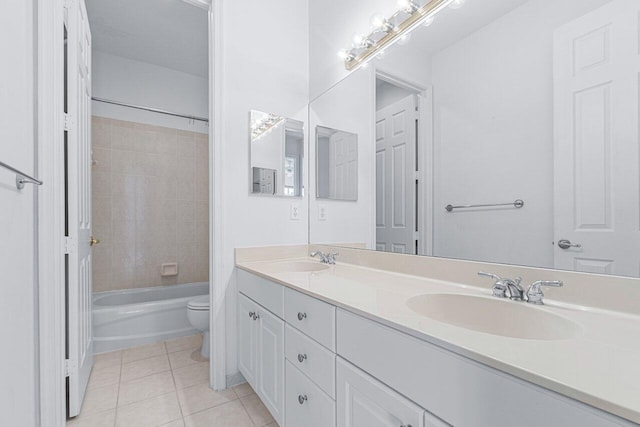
504 286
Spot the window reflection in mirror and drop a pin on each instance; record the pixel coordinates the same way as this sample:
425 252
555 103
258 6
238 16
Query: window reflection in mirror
337 164
277 153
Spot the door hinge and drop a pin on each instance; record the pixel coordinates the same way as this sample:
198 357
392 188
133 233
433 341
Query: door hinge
69 366
69 244
67 122
417 175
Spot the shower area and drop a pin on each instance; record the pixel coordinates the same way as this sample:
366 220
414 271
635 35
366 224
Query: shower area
150 169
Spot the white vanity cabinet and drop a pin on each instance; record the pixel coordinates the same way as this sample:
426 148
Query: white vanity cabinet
261 353
315 365
362 401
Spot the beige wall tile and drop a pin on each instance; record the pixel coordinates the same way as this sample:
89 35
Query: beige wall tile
100 133
101 159
151 203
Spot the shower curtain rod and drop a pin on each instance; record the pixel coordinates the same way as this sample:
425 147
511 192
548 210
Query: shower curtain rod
153 110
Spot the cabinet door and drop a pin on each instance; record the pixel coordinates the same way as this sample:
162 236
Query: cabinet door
247 339
271 363
363 401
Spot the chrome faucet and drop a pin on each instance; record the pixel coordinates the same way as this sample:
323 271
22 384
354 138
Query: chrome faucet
534 293
504 285
328 258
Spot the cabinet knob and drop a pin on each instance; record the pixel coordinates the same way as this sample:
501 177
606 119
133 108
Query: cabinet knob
302 398
302 315
256 316
252 313
302 357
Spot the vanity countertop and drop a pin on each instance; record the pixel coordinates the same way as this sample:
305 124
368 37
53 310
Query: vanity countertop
599 366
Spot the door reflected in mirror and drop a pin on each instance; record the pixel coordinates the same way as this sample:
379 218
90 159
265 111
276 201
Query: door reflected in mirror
277 155
337 164
505 131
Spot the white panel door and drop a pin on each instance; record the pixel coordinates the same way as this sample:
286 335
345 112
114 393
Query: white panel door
362 401
596 200
396 177
271 363
79 328
247 339
343 163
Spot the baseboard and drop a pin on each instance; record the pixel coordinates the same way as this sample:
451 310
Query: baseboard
235 379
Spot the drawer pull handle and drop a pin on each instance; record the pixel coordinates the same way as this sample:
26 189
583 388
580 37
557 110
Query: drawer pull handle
302 315
302 357
302 398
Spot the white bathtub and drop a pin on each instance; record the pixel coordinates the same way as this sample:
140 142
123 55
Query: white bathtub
123 319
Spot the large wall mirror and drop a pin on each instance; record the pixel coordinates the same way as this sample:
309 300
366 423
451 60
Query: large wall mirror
277 153
505 131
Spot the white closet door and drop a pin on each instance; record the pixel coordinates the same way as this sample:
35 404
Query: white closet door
396 177
79 327
596 75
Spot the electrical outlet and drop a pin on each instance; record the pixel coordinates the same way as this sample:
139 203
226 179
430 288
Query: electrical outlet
295 211
322 212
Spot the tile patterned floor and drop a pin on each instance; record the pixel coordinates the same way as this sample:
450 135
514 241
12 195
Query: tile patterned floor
164 384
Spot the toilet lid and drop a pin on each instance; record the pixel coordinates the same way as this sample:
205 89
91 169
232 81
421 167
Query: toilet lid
200 303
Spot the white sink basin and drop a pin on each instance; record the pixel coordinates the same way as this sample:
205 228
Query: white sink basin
494 316
299 267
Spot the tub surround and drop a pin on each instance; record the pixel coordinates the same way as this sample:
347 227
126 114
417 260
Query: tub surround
150 198
598 366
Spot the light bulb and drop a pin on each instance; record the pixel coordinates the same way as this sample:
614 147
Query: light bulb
408 6
377 21
343 53
428 21
456 4
358 39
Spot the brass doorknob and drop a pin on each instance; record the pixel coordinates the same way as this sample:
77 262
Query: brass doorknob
93 241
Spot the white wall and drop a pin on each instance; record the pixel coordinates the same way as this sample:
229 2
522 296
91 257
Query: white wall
332 25
265 66
140 83
348 106
17 217
493 116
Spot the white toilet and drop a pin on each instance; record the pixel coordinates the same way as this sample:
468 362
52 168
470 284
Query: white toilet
198 314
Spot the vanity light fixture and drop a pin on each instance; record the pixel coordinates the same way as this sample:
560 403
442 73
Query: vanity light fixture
263 126
385 32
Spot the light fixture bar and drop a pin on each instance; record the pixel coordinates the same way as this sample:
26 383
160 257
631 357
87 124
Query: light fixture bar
355 60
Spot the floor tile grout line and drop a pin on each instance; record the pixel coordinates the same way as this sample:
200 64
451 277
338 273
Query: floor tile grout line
246 411
115 418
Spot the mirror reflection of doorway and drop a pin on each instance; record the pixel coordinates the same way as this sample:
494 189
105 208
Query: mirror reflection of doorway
398 185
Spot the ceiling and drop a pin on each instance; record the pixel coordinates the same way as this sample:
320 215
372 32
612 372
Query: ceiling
167 33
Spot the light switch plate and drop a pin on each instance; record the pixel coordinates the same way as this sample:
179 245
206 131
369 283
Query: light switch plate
295 211
322 212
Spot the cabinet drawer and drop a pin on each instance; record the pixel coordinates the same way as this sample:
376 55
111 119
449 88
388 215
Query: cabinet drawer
265 292
363 401
306 405
315 318
315 361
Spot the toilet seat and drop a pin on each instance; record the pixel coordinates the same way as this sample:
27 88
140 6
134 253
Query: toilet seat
199 304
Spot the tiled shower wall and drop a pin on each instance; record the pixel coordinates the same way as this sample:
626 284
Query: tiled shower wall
150 204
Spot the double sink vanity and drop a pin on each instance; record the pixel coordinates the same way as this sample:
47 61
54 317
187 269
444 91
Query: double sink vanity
346 344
